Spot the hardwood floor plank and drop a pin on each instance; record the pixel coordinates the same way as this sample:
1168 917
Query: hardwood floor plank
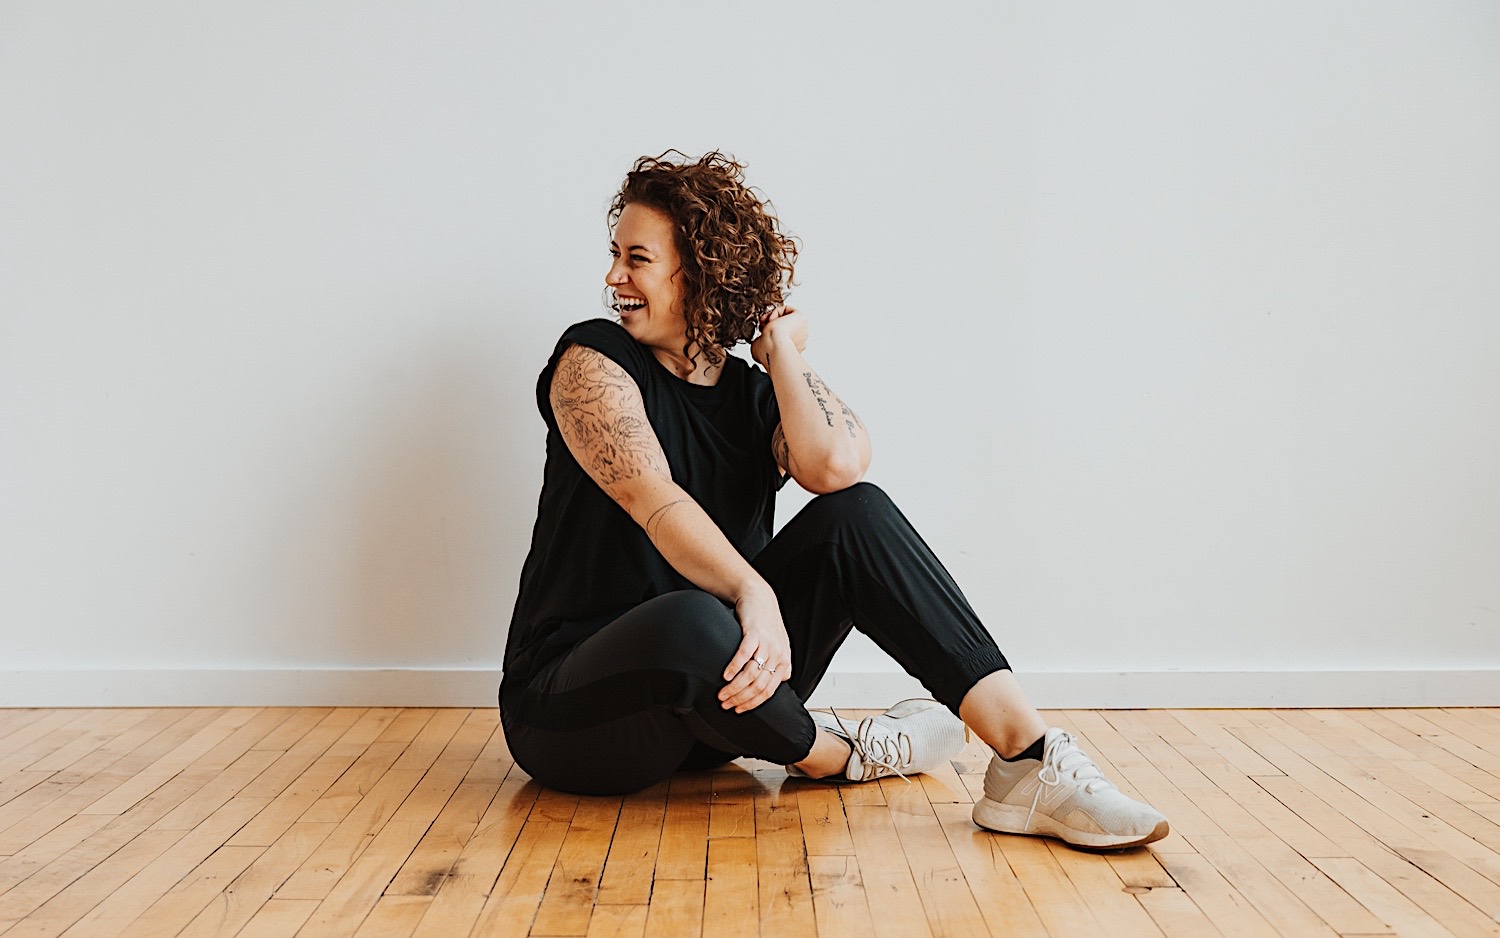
479 863
177 907
278 918
1211 727
1398 912
1485 719
253 888
889 886
1057 902
217 789
1101 888
944 891
1372 804
1277 903
296 799
1221 902
49 912
445 918
517 893
785 884
363 823
997 892
568 902
631 864
196 747
731 901
301 722
1140 869
676 909
731 819
825 830
98 774
838 896
1486 756
1175 914
942 784
683 852
33 884
618 921
111 726
297 755
1391 847
1246 792
14 719
130 900
431 862
1426 753
1161 755
368 877
1447 796
392 917
1427 893
36 741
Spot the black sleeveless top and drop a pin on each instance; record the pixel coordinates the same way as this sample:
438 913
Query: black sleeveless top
589 561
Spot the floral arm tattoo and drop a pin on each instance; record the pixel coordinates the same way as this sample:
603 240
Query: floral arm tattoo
780 450
602 418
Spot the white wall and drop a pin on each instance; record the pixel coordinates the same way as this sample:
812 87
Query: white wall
1175 325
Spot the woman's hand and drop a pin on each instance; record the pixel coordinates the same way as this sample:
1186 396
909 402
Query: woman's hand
751 685
782 326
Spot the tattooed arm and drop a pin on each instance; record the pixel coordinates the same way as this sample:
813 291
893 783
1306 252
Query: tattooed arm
820 440
602 418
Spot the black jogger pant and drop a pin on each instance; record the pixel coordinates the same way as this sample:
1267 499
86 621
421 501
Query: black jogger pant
638 700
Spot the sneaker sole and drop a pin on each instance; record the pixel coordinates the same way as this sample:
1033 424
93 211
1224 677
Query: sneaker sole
1011 819
911 705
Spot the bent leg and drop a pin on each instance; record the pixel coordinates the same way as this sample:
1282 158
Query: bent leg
851 559
625 707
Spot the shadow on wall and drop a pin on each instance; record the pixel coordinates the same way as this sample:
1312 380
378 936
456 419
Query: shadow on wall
443 503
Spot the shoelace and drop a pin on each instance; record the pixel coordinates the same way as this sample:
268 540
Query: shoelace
892 752
1080 769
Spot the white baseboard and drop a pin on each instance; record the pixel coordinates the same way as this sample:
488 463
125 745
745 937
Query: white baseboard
1048 690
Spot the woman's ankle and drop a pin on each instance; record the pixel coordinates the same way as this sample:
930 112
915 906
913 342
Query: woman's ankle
829 756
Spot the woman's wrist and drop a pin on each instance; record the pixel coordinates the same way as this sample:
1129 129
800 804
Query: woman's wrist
752 589
761 350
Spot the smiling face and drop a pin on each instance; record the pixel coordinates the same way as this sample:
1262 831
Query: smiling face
646 278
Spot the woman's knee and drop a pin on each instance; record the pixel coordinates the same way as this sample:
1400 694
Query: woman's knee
862 502
692 622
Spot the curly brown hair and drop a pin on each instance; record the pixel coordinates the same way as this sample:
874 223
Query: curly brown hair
736 263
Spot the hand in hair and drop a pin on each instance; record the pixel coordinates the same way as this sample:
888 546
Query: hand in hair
782 326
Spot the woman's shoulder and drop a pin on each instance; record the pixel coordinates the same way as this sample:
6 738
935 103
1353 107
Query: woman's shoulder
607 337
603 329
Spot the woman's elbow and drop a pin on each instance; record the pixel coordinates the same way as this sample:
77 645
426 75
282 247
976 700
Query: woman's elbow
833 476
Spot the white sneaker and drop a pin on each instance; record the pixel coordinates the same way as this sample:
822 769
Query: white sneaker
1064 795
913 736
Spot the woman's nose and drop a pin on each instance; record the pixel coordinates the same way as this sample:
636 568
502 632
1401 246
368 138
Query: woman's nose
616 274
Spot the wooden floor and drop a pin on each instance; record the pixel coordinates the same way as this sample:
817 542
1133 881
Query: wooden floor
416 822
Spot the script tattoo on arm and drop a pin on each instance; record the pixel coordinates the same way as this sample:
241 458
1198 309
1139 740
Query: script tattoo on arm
602 418
820 394
851 419
823 395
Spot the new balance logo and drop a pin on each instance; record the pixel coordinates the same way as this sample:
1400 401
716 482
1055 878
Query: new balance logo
1052 795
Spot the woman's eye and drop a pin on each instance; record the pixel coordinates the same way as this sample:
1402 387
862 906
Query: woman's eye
639 259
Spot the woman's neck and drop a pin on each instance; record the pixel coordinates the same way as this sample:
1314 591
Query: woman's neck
699 372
